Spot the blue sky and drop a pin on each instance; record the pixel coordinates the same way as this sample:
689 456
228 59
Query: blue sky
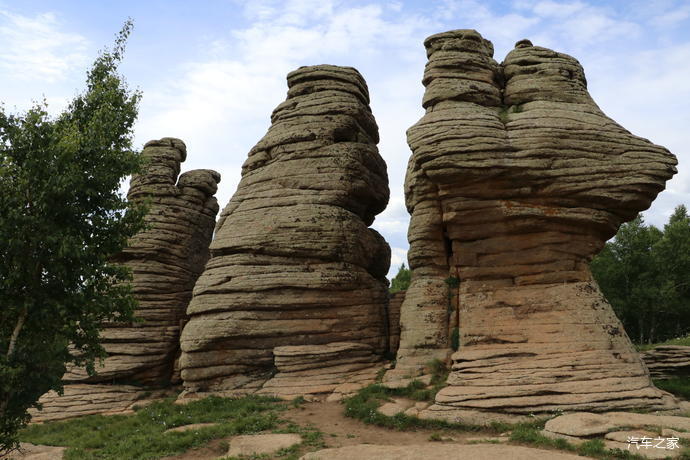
211 72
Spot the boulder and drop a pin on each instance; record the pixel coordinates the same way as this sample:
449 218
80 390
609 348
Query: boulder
516 181
294 262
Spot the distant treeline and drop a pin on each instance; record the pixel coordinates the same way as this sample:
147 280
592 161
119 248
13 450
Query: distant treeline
645 274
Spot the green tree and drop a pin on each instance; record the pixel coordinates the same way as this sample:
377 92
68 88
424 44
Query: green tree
402 280
62 218
644 274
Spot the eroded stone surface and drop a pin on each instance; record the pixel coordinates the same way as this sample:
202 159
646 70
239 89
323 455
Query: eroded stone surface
87 399
293 260
336 367
516 180
394 304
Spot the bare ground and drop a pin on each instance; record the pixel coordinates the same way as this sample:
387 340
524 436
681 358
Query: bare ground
338 431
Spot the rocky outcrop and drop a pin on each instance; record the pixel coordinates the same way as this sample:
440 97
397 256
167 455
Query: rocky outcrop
667 361
81 399
316 369
166 259
516 180
293 262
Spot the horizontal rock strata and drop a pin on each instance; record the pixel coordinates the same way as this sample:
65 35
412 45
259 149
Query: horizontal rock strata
293 261
166 259
667 361
394 304
81 399
317 369
516 180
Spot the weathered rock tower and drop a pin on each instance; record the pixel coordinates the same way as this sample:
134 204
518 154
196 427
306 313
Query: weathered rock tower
296 282
515 182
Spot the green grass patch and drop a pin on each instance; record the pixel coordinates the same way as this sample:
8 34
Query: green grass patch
679 386
685 341
141 435
363 406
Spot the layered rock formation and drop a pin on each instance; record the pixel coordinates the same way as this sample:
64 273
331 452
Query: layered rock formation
667 361
316 369
516 180
293 262
394 304
166 259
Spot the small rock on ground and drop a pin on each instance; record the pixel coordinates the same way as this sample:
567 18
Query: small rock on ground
259 444
580 424
191 427
398 405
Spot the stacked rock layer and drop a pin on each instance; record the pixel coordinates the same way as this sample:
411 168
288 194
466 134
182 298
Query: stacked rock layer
668 361
516 180
166 259
293 261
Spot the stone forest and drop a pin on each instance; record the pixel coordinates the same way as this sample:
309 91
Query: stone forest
516 180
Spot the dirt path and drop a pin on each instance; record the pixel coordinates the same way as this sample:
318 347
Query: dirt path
338 431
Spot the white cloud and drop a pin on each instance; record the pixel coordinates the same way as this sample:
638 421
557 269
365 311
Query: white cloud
221 104
398 257
672 17
36 48
558 9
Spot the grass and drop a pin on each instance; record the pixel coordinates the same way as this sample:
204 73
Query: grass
142 435
677 341
532 437
312 439
679 386
363 406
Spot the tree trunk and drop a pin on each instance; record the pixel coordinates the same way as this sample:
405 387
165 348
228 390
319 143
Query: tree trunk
15 333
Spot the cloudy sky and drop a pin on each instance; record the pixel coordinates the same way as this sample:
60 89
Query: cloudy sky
212 71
